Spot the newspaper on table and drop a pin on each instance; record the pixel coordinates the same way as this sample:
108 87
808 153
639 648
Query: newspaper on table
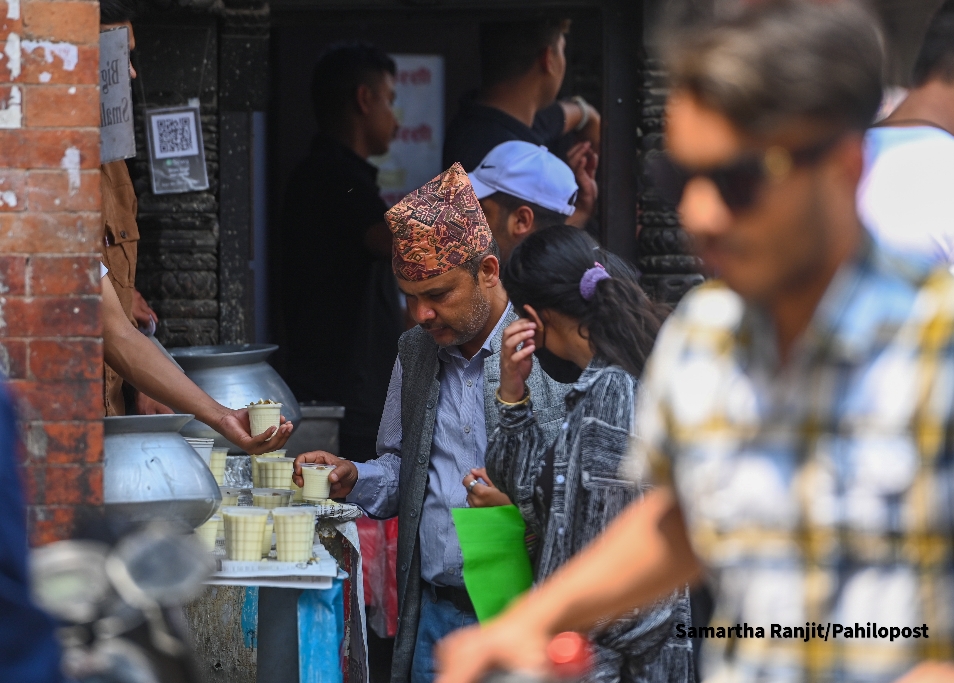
316 574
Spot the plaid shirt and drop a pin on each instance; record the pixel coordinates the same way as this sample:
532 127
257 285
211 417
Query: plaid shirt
819 493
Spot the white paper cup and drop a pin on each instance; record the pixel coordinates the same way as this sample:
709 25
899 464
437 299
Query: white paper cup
209 531
244 531
275 473
273 455
294 533
261 416
317 486
217 464
271 498
267 537
230 496
203 447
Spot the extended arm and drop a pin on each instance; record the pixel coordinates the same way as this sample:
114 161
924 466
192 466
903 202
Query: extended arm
140 363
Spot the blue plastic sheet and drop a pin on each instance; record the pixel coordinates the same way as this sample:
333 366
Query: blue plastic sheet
321 635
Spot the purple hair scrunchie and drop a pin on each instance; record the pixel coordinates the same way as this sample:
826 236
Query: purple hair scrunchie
590 278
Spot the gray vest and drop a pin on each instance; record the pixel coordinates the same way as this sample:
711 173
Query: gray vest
419 392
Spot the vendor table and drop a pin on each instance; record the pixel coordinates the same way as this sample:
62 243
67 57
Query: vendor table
265 634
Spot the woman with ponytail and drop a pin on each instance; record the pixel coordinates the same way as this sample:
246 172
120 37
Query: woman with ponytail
583 304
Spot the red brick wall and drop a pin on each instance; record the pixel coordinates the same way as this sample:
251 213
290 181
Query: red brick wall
50 326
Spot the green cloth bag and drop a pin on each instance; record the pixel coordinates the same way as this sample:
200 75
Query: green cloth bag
496 564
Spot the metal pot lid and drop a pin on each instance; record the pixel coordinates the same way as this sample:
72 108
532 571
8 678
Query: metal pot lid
131 424
201 357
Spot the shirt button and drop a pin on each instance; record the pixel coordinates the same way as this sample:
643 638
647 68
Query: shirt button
470 383
122 233
565 426
451 571
467 429
430 404
560 479
560 531
421 459
413 513
404 566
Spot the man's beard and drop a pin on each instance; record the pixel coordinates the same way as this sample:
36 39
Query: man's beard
475 321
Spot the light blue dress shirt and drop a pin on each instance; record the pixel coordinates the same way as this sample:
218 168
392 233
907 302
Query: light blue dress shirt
460 439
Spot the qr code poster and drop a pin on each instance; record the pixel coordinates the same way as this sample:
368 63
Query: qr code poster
176 154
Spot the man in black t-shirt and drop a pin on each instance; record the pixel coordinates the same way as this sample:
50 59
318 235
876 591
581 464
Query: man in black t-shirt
522 69
339 312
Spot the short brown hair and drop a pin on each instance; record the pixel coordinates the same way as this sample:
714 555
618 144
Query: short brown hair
784 60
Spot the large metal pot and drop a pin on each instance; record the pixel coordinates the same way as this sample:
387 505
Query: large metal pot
151 472
234 375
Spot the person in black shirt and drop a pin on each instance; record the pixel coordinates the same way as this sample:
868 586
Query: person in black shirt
522 69
339 312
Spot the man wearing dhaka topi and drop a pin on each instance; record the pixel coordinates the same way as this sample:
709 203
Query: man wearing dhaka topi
440 408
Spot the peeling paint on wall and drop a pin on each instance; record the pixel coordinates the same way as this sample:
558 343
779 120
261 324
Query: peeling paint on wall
71 162
12 51
45 77
10 111
8 198
67 52
13 9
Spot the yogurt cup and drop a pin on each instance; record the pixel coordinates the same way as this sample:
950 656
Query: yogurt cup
294 533
275 473
255 475
230 496
267 537
271 498
317 486
209 531
203 447
244 532
217 464
261 416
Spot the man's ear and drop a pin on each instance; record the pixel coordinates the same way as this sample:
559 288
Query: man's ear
520 223
490 271
364 98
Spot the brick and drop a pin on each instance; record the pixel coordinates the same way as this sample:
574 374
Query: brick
59 401
50 191
13 150
8 25
64 484
34 68
13 275
49 523
71 22
51 316
47 148
13 192
64 275
46 233
64 442
13 358
60 106
66 359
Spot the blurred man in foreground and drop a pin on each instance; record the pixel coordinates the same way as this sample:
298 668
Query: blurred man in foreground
905 197
795 415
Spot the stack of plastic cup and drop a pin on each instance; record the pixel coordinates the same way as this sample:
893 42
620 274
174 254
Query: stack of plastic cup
230 496
294 533
275 473
271 498
203 447
255 476
244 531
317 486
263 416
217 464
267 538
208 532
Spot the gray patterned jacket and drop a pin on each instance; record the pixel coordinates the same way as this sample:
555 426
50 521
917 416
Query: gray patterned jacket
587 494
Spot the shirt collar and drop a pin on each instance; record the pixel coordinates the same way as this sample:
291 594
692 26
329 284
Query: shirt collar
491 344
848 321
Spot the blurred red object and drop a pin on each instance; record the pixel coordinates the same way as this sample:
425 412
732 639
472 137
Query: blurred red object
379 563
570 654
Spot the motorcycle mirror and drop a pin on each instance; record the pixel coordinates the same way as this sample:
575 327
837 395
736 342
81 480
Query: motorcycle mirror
68 579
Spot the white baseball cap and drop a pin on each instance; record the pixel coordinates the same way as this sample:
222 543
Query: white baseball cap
528 172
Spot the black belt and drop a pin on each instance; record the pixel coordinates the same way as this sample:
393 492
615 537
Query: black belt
456 596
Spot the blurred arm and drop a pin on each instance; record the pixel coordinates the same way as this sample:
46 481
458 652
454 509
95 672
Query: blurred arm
573 114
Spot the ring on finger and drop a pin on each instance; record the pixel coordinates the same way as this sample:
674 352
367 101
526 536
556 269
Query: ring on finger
471 485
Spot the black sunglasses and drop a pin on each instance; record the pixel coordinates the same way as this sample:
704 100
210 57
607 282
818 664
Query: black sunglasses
739 181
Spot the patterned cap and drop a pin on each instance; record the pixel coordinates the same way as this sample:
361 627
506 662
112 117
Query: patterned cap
438 227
